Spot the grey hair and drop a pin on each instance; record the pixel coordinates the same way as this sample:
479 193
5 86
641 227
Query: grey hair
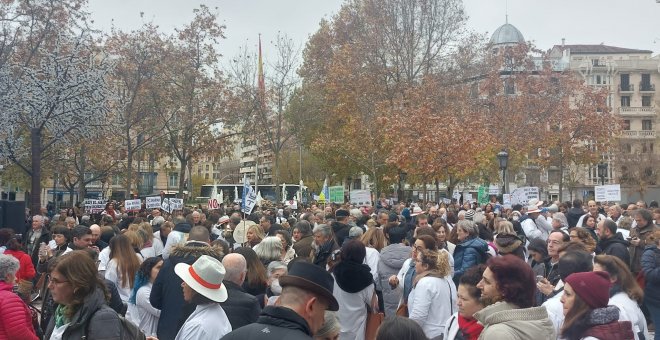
561 218
479 217
38 217
355 213
8 265
158 220
274 266
330 326
269 249
324 229
468 227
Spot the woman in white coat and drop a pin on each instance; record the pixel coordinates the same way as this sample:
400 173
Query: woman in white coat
433 297
625 293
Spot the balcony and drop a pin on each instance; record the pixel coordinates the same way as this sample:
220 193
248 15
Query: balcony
646 87
644 134
644 111
626 88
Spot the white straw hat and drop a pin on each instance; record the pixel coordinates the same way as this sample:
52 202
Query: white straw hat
205 277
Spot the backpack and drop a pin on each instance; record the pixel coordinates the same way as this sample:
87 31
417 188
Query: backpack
129 331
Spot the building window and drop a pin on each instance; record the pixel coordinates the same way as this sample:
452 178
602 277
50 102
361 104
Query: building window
117 179
509 86
626 148
207 167
206 175
647 125
626 124
625 101
646 101
647 147
173 179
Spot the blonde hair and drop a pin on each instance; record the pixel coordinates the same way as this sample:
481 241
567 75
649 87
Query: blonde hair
584 237
437 261
375 238
504 227
258 232
136 240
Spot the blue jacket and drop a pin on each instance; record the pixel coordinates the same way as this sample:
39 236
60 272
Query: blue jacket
651 267
468 254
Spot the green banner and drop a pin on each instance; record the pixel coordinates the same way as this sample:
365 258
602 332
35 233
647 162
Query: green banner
482 195
336 194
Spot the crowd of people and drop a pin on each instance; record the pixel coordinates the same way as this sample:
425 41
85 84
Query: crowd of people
435 271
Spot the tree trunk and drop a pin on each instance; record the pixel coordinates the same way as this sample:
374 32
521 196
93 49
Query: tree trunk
182 177
561 178
437 191
129 171
35 197
83 161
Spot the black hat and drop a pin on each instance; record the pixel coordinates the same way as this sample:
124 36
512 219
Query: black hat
341 213
312 278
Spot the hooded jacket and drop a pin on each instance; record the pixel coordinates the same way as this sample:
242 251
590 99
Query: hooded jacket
467 254
510 244
503 320
615 246
274 323
94 319
392 258
166 293
605 325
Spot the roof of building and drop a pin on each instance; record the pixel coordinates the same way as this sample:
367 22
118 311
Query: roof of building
506 34
599 49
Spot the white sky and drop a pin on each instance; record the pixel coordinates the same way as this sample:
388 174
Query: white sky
623 23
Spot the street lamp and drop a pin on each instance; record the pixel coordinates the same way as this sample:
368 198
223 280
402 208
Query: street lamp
602 172
402 183
503 158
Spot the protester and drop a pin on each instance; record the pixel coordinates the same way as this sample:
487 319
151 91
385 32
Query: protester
625 293
300 313
463 325
257 278
144 315
400 328
433 297
253 236
611 242
303 246
124 263
202 286
406 275
645 228
16 317
324 245
275 270
582 235
507 291
287 244
36 235
12 246
392 259
330 329
81 295
354 290
241 308
166 293
470 251
586 313
650 265
269 249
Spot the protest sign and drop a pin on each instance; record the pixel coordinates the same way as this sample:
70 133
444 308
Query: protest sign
153 202
336 194
523 195
608 193
94 206
133 205
213 204
165 205
176 203
361 198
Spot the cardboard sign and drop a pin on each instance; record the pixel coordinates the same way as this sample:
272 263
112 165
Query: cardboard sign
133 205
94 206
176 203
523 195
361 198
608 193
165 205
153 202
213 204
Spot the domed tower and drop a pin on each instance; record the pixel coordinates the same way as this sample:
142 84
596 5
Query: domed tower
505 35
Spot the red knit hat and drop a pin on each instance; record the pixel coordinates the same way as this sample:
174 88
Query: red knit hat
592 287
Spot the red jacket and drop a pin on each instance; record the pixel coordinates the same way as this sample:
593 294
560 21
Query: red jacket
26 270
15 317
617 330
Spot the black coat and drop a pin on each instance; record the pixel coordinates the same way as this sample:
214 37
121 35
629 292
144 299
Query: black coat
341 231
303 247
241 308
274 323
616 246
573 216
166 293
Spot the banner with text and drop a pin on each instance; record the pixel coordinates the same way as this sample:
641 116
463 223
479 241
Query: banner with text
336 194
608 193
361 198
523 195
94 206
165 205
176 204
153 202
133 205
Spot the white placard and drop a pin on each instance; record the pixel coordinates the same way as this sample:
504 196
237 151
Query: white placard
361 198
523 195
293 204
153 202
133 205
506 198
94 206
608 193
176 203
494 190
467 197
165 205
213 204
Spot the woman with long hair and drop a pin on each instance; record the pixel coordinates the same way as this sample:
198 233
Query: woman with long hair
124 263
12 246
82 311
256 280
354 290
583 236
625 293
586 310
433 297
142 313
463 325
442 232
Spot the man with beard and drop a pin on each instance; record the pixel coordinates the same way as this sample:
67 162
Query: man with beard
507 291
611 242
324 245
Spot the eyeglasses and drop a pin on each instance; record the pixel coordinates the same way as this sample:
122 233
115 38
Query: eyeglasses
56 281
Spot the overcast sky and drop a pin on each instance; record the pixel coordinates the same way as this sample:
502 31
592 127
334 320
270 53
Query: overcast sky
623 23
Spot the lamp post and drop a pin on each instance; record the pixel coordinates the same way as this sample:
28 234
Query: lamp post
503 159
349 179
402 185
602 172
